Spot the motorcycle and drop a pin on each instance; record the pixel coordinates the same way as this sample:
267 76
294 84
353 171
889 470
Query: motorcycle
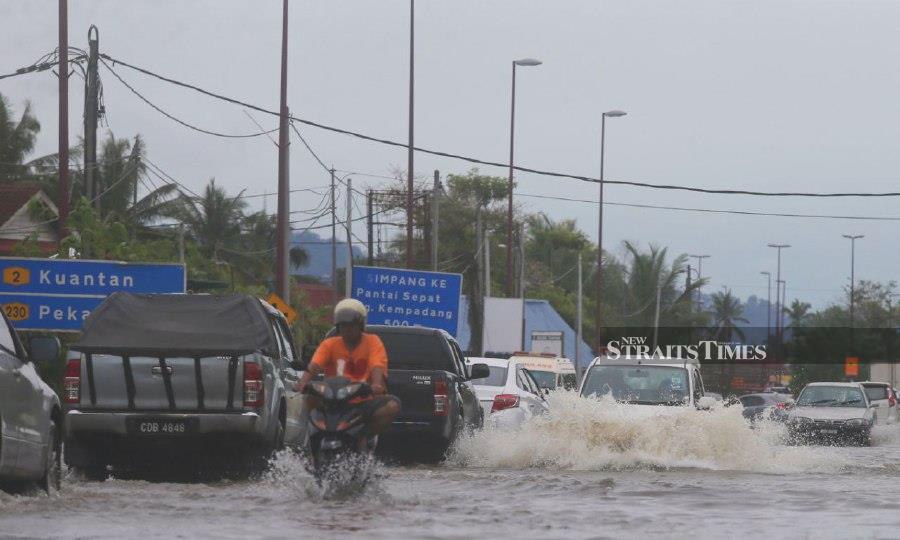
337 443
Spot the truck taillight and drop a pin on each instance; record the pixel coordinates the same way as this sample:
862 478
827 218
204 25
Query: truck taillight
504 401
254 392
441 400
72 381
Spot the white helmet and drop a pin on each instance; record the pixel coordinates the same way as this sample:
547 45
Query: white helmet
350 310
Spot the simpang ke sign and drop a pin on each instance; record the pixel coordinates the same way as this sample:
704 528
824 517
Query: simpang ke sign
58 294
397 297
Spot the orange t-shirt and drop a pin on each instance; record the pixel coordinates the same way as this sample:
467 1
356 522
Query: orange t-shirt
358 363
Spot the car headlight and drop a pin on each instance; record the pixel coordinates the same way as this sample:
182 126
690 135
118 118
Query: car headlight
857 422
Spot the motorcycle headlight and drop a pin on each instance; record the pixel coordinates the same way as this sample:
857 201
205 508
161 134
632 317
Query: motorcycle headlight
321 389
348 391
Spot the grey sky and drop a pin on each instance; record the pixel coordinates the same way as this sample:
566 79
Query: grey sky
768 95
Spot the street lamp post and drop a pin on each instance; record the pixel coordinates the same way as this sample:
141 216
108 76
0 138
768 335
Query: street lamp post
699 277
524 62
853 238
598 319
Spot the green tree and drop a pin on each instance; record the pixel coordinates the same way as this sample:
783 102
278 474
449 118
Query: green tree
213 219
17 138
727 312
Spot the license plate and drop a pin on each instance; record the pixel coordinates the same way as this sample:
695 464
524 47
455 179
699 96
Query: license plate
156 427
828 431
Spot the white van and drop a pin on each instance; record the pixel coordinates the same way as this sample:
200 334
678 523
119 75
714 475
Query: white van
653 381
550 371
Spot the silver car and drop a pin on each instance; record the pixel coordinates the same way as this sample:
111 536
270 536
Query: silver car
29 412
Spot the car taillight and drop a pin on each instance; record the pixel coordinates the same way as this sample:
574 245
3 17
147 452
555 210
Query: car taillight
892 399
441 400
72 381
504 401
254 394
781 405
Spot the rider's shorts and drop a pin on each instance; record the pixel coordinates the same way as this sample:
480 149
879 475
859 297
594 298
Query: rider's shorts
369 406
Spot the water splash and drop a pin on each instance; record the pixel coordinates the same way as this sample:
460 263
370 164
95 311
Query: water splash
588 434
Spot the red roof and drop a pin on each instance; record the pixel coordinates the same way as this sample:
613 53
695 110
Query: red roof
317 296
13 197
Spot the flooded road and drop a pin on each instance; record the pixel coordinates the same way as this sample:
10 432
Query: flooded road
593 470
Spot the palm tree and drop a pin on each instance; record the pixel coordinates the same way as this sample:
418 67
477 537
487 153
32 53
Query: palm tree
16 141
727 311
650 271
213 219
798 313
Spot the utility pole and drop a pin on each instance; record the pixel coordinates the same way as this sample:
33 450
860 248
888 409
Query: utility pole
853 238
370 227
699 277
578 324
522 261
282 274
348 272
487 263
409 172
181 243
768 306
656 316
333 241
91 115
63 118
778 303
436 216
478 297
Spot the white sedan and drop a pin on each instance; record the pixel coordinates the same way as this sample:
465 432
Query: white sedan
509 395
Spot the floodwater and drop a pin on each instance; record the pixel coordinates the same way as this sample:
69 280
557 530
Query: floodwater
591 470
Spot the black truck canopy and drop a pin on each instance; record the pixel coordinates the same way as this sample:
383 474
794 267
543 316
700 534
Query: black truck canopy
177 325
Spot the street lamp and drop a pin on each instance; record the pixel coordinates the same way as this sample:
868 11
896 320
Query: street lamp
524 62
615 113
853 238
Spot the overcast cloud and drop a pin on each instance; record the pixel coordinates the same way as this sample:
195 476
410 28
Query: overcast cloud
766 95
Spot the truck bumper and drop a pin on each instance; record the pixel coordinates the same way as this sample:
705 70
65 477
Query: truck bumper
115 423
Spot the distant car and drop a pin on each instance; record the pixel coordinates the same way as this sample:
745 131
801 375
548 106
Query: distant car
30 412
883 400
828 412
654 381
756 405
510 395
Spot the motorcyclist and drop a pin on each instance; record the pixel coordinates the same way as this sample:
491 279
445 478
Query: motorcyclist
358 356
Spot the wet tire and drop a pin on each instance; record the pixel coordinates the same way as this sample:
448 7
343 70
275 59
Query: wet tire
92 473
52 479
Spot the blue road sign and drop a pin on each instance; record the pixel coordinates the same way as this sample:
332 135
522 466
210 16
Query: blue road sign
398 297
60 313
76 276
57 294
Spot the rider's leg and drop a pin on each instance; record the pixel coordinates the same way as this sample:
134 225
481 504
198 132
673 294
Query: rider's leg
384 415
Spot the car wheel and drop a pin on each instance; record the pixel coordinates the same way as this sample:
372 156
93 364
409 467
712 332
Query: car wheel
52 479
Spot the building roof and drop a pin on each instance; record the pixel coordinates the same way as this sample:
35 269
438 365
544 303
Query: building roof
13 197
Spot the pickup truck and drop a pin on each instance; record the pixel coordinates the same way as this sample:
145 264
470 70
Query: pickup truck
157 380
427 371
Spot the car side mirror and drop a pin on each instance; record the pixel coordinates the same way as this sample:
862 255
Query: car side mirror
479 371
43 349
706 403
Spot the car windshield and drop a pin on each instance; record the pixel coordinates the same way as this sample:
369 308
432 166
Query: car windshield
831 396
649 385
545 379
496 378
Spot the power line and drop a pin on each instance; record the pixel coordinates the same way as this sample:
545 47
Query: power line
711 210
182 122
672 187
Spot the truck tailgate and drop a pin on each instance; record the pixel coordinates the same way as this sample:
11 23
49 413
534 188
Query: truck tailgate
158 384
415 389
